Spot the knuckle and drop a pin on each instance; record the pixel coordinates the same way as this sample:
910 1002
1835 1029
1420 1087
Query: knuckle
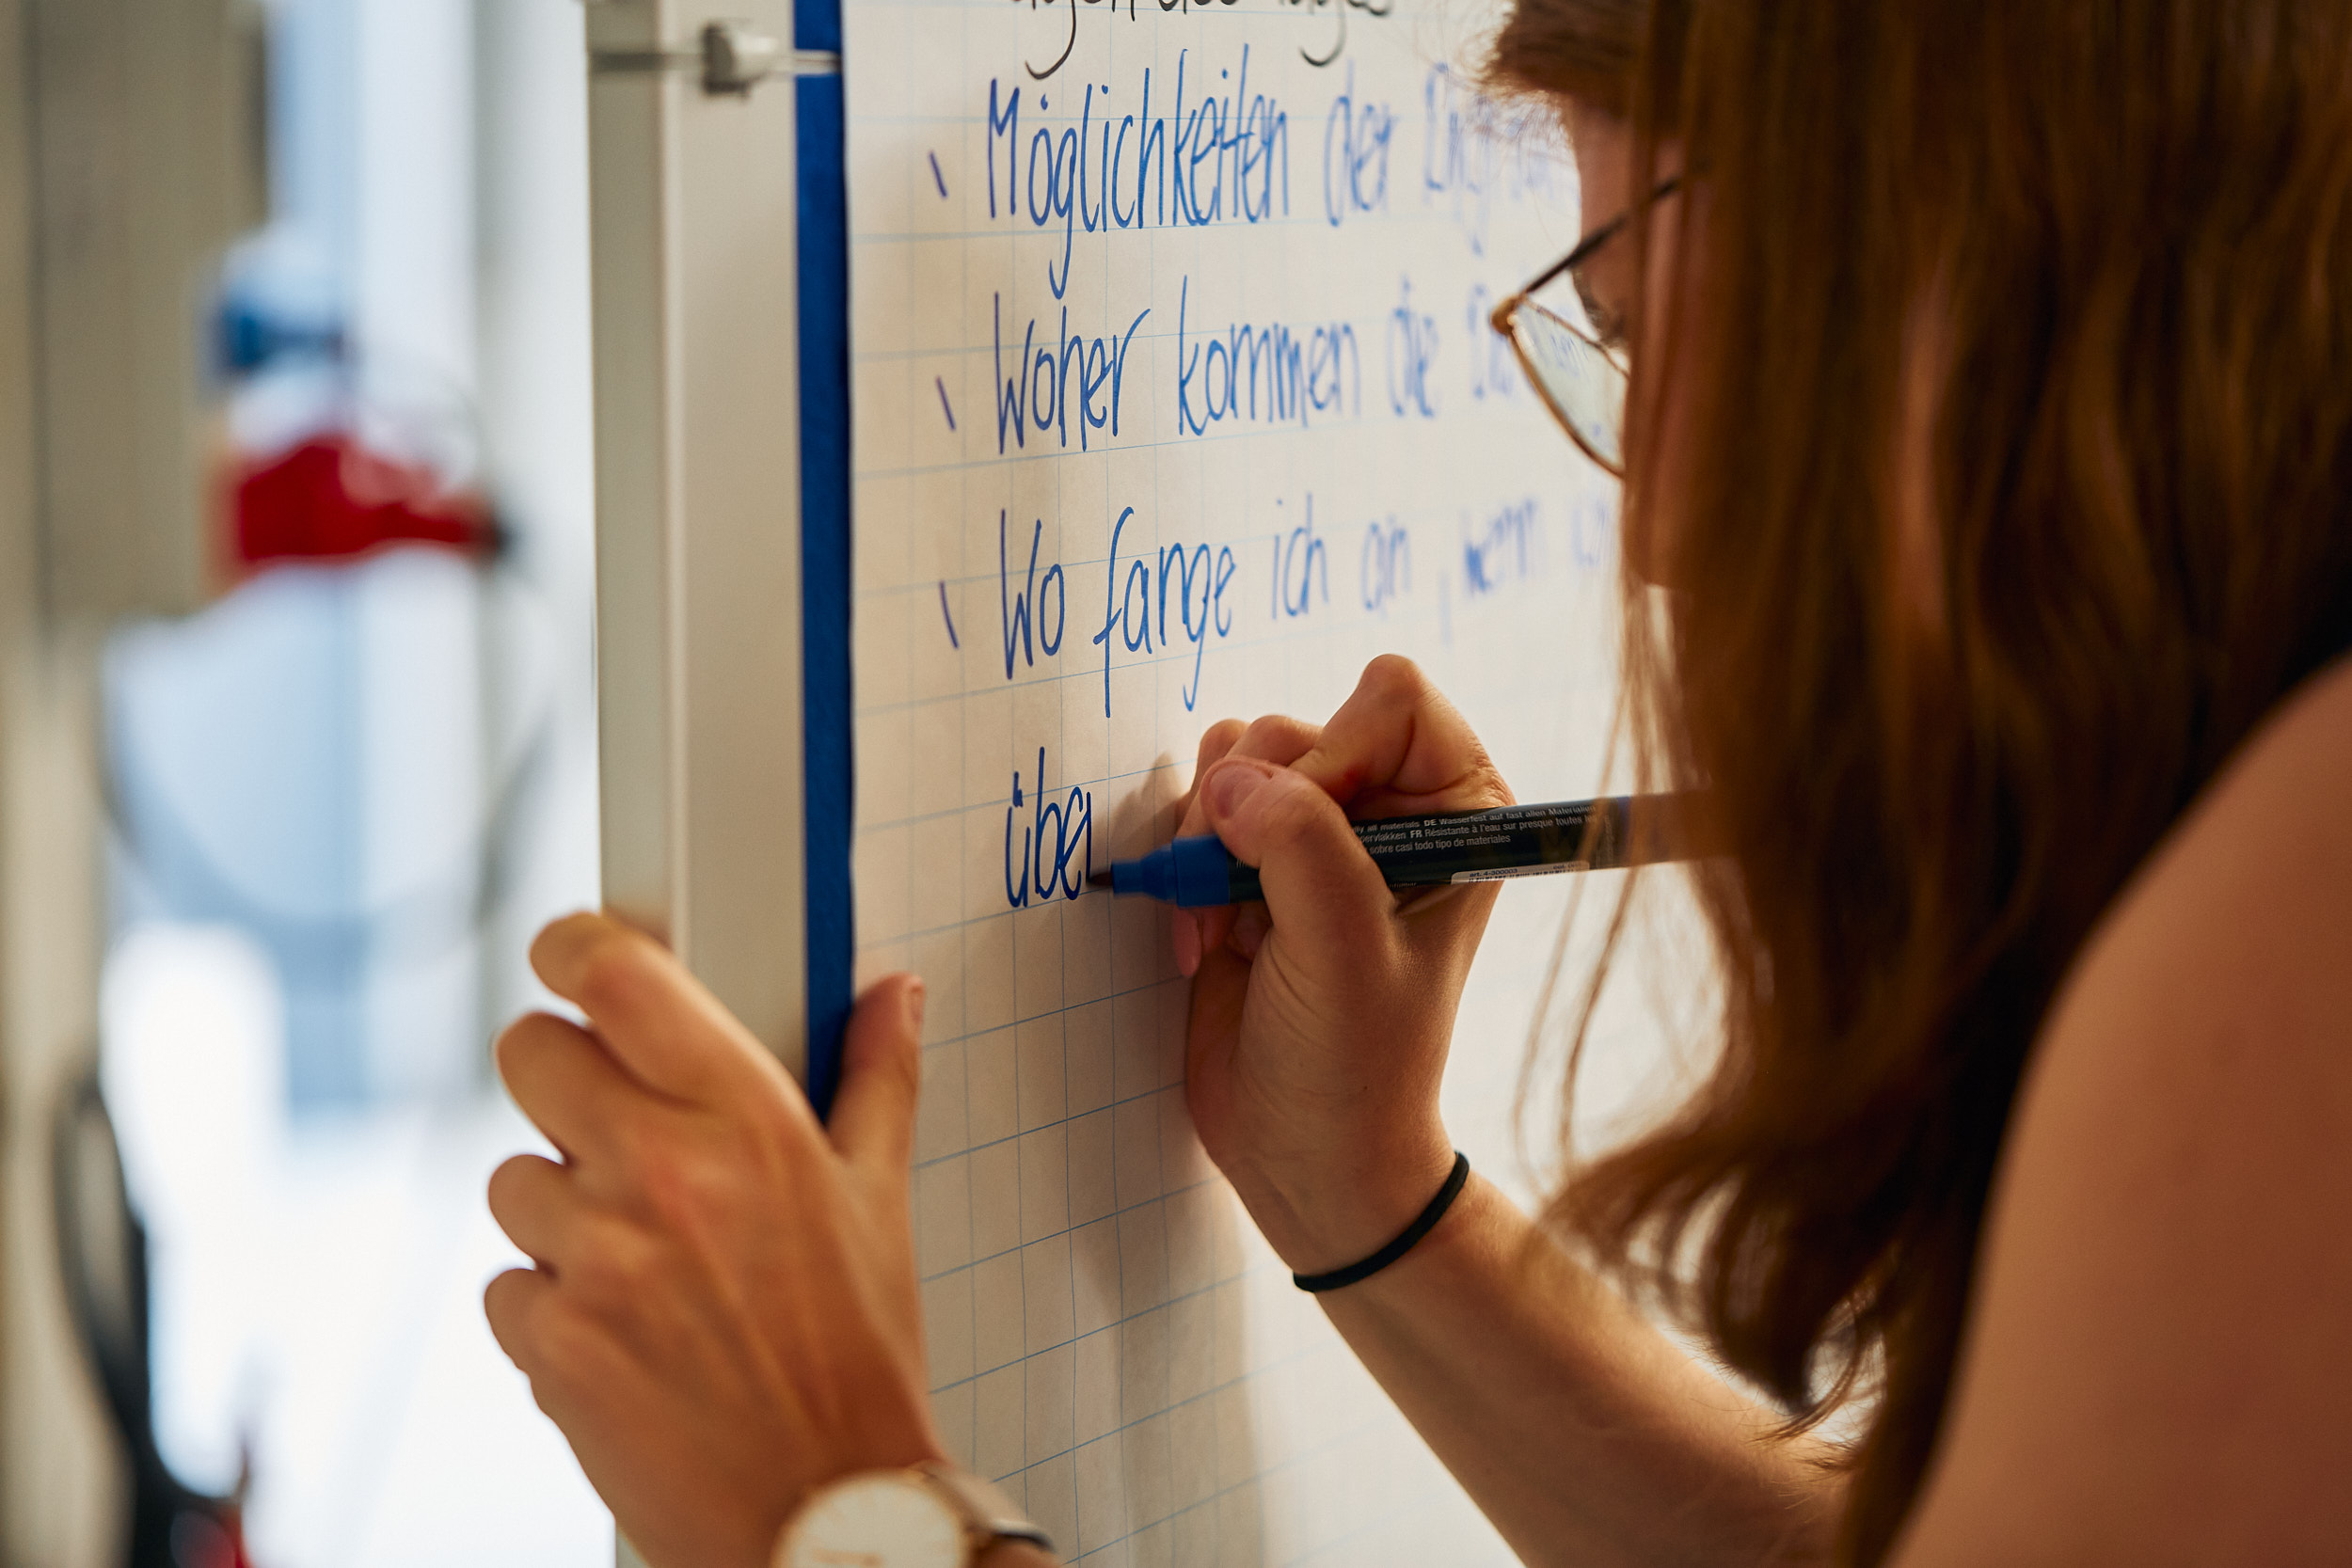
637 1146
679 1189
1295 812
1263 731
610 1270
1220 737
1481 780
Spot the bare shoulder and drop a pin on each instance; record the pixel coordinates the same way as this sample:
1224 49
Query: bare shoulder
2160 1346
2257 877
2285 796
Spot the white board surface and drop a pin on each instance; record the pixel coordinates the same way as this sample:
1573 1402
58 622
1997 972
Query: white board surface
1174 400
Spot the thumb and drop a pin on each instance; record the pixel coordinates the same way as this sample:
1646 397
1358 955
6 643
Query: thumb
872 1124
1321 886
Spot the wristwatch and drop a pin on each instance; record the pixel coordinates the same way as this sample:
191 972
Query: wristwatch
927 1517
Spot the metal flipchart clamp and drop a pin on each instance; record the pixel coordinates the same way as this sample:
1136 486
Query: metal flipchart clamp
733 57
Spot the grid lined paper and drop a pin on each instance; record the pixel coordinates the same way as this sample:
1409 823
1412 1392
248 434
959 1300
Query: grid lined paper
1284 442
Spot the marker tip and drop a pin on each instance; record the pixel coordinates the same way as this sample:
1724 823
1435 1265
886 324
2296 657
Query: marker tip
1099 879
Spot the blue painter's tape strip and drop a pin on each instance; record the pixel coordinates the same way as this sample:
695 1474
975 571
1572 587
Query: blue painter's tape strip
816 24
824 322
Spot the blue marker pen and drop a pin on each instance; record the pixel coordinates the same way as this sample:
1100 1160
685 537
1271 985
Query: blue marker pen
1415 851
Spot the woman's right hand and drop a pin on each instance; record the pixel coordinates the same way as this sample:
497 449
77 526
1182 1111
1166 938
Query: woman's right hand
1321 1018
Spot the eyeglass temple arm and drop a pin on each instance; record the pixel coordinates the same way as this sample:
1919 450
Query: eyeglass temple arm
1594 241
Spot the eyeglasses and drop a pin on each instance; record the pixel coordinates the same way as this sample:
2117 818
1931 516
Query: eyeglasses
1581 377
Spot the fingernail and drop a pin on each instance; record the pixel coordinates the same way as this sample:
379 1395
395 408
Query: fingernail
1184 936
1231 784
914 999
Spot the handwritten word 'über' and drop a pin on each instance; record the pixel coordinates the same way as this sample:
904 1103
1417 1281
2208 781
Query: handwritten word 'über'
1057 843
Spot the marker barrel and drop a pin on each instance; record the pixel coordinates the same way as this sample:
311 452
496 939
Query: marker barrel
1482 846
1420 851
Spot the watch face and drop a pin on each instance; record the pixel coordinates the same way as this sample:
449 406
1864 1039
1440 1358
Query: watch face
888 1519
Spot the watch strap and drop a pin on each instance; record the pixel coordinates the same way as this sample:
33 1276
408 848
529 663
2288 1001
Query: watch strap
991 1515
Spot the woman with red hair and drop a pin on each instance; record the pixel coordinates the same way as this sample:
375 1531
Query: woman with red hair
1988 552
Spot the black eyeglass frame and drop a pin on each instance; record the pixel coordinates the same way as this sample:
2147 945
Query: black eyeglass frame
1506 313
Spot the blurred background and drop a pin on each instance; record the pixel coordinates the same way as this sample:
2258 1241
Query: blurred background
297 748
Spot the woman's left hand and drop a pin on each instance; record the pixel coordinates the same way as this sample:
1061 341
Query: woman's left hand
723 1310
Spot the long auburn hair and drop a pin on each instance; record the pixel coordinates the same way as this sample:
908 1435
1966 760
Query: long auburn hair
1933 753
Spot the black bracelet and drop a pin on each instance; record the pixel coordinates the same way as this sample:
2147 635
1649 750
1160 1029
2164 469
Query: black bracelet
1405 1240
